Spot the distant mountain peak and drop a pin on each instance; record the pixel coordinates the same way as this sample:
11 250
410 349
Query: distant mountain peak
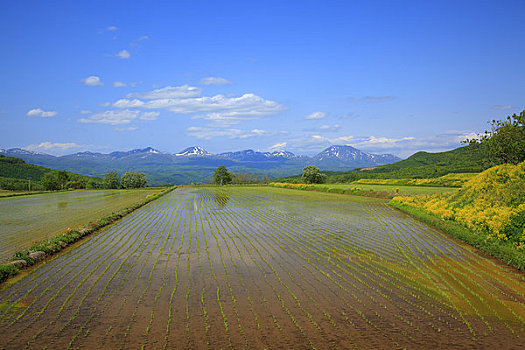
193 151
280 154
346 153
22 151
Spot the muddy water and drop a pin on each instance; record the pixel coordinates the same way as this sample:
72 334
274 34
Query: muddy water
266 268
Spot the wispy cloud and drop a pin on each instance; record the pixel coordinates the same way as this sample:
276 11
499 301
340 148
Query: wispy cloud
278 146
112 28
126 128
124 54
209 133
372 99
85 111
118 84
502 107
168 92
316 115
215 81
326 127
37 112
92 80
112 117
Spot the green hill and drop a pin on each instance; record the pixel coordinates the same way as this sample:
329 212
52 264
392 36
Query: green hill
14 175
421 165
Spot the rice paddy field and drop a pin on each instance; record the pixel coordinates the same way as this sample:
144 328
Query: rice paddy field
265 268
26 220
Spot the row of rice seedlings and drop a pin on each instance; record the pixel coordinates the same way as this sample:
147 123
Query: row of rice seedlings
174 209
331 278
160 234
94 313
124 304
420 268
213 218
294 297
90 289
100 251
382 294
471 265
264 274
207 213
174 290
207 197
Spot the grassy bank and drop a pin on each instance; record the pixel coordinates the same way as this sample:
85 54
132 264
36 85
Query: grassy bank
48 247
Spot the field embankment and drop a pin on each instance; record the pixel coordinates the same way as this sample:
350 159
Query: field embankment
47 223
386 191
490 208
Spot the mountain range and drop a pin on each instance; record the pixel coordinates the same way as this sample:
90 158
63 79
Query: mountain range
195 164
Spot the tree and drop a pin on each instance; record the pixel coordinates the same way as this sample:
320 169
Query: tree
222 176
62 178
111 180
50 182
505 143
133 179
311 175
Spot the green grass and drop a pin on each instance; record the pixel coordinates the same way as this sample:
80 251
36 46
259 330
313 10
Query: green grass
408 190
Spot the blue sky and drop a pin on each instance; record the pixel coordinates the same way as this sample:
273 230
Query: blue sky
384 76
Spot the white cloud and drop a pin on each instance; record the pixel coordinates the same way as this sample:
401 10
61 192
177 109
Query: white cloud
143 37
502 107
85 111
316 115
215 81
124 54
372 99
168 92
278 146
334 127
105 104
118 84
112 117
92 80
61 148
112 28
128 128
123 103
220 109
37 112
149 115
385 140
209 133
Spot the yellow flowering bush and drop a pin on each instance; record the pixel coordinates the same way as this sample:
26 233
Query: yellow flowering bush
492 202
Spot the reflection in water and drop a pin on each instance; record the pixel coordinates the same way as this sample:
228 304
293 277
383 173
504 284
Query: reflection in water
222 198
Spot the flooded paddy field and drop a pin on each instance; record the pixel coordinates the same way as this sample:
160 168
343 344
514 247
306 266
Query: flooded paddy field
266 268
26 220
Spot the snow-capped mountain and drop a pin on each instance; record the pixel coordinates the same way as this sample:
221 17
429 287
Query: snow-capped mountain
21 151
350 154
193 151
138 151
280 154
